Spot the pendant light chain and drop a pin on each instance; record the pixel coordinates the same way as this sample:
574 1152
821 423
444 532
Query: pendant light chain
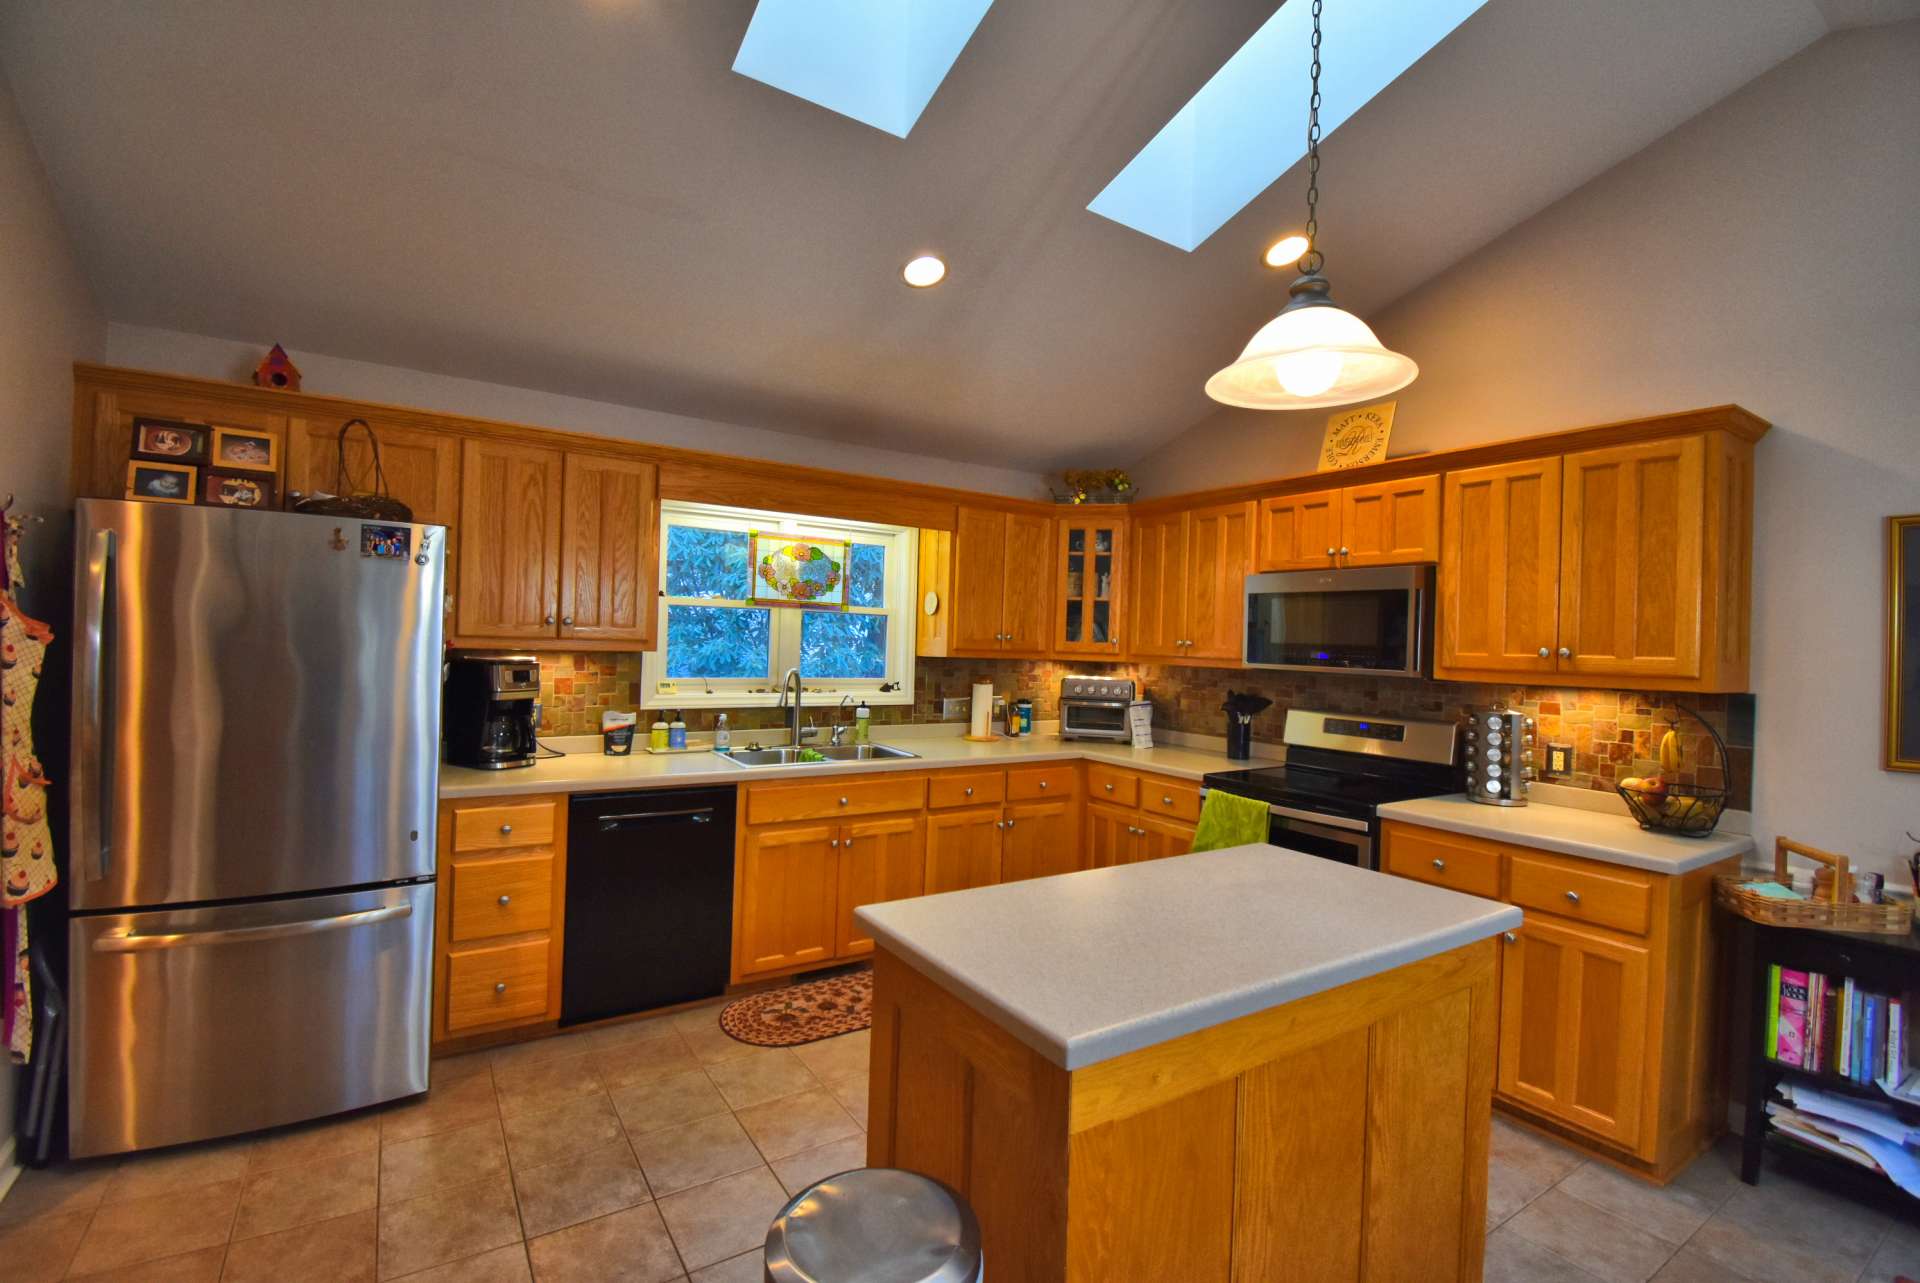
1313 260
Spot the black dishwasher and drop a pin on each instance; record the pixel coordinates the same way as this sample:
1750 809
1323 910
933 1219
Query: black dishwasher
649 900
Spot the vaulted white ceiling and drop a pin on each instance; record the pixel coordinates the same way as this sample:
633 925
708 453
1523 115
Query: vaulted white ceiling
580 195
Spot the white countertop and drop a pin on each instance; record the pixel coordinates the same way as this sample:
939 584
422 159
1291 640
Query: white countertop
1614 839
1087 966
589 770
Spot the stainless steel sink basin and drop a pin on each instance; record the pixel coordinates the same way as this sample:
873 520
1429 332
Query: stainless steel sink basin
824 755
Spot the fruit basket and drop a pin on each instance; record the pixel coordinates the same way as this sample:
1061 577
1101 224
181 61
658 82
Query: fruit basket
1691 810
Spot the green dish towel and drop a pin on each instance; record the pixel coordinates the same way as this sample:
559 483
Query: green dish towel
1228 819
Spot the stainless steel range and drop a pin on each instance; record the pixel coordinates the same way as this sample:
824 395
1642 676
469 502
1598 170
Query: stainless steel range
1340 770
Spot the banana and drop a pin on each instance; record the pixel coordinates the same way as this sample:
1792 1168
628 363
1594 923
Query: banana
1670 753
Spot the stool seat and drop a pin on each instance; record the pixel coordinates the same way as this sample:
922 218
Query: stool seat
875 1225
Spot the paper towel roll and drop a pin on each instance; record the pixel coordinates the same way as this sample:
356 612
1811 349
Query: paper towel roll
982 709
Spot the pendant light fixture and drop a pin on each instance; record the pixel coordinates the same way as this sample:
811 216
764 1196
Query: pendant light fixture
1314 354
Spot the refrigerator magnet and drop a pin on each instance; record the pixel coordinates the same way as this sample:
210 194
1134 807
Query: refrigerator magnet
392 542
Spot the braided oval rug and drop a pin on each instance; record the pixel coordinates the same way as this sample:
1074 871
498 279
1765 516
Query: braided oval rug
804 1012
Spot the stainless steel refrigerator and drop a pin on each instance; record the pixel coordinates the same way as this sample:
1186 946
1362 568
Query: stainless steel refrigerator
255 764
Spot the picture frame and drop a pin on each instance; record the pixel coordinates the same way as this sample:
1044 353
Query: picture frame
245 450
170 440
154 481
220 489
1903 644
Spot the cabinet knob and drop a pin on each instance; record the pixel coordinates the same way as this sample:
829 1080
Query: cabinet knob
1043 786
505 829
500 986
1344 552
1009 823
999 824
1440 865
843 801
833 842
567 620
1566 652
1509 937
1166 799
1109 788
1330 552
549 618
505 900
1573 897
1545 653
969 790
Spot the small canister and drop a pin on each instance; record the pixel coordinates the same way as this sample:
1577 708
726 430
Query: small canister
1023 709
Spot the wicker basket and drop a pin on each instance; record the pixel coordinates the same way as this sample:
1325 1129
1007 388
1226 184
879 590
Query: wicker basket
364 505
1691 810
1837 914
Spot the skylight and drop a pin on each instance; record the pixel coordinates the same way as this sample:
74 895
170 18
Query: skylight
1247 125
878 61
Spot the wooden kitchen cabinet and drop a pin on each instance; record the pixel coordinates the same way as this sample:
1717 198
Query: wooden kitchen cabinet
1299 531
789 897
422 468
609 551
1110 834
1041 839
880 859
1160 838
1573 1027
1386 523
1133 816
1157 591
510 499
1189 590
499 926
1089 597
1500 569
1002 582
964 848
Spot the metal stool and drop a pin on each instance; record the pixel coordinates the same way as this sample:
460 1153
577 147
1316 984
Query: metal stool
875 1225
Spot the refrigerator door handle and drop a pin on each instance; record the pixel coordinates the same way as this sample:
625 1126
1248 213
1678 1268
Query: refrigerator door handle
137 942
93 817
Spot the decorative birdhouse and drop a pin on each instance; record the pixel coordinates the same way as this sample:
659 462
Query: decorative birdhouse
277 370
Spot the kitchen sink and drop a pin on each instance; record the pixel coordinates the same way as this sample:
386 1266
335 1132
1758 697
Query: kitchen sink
824 755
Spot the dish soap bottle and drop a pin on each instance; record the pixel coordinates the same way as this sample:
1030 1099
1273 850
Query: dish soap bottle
657 735
677 731
722 735
862 724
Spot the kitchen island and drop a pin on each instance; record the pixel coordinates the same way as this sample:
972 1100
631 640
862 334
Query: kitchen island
1247 1064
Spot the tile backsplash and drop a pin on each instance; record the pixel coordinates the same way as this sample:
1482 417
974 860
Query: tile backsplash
1614 734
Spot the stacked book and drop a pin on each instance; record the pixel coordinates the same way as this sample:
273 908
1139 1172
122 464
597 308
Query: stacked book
1829 1025
1869 1135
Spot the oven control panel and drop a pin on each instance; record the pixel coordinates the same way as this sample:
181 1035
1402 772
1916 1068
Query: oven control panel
1106 689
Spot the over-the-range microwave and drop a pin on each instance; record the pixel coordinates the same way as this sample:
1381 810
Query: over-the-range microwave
1374 619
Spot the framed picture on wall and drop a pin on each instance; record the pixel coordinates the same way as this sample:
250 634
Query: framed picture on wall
244 449
161 482
170 440
1903 643
236 490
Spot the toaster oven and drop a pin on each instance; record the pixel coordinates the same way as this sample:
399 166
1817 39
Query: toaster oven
1095 708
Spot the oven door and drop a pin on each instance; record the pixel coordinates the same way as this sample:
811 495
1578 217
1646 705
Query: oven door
1332 837
1094 719
1370 620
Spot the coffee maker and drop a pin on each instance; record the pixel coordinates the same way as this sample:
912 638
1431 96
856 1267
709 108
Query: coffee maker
488 715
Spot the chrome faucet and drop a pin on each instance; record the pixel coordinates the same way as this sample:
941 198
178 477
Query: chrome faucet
839 728
800 734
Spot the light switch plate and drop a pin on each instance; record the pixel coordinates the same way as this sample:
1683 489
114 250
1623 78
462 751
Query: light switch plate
955 710
1559 760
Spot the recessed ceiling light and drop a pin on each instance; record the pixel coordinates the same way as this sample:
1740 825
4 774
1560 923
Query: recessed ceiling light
1286 251
924 271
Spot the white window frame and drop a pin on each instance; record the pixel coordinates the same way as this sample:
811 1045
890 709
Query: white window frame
903 548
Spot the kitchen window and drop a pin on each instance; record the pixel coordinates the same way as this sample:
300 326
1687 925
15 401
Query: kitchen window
721 649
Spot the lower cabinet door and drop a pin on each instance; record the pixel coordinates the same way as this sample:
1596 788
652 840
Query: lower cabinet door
1041 839
1160 838
1111 835
1573 1027
879 860
789 896
963 849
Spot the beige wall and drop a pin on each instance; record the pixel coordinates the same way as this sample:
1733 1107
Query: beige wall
48 320
212 358
1767 253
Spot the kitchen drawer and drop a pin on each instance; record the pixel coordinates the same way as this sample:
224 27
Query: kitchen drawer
1444 859
500 826
847 795
1580 891
496 984
1108 784
1175 799
501 897
966 788
1037 783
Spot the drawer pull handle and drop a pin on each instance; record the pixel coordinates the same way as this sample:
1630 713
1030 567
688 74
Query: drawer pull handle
500 987
1510 937
505 829
969 790
1573 897
505 900
1441 865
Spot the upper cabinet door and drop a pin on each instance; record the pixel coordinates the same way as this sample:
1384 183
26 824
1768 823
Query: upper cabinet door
1631 560
1390 523
979 579
610 534
1219 550
1027 588
422 468
1089 586
1158 588
1500 568
509 541
1299 531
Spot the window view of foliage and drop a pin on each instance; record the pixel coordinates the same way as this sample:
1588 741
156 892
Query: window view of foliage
836 645
707 563
867 576
718 641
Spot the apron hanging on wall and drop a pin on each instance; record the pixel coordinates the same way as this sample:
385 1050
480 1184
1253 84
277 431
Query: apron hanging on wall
26 843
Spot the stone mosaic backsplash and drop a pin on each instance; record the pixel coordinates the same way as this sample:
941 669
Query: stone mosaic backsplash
1614 734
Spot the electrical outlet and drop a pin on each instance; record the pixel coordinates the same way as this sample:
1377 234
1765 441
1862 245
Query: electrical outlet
1559 760
955 710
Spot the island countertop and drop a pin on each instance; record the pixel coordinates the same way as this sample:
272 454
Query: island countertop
1594 835
1088 966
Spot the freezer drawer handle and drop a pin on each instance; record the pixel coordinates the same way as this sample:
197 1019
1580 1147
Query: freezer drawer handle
692 814
135 942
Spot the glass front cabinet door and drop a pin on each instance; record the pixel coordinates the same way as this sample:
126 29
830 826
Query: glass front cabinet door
1092 570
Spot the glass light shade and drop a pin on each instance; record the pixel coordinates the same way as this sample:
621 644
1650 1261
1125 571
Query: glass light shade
1309 357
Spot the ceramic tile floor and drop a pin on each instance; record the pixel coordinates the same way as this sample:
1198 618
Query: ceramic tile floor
658 1151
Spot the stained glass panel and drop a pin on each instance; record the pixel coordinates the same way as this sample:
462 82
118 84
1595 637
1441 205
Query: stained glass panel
837 645
799 572
718 641
706 563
